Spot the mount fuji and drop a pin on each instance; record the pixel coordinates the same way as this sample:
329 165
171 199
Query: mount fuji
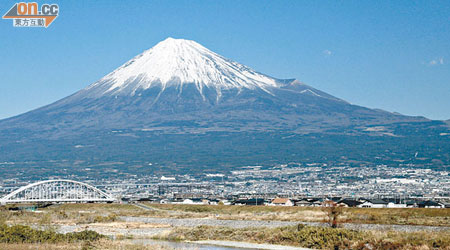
179 103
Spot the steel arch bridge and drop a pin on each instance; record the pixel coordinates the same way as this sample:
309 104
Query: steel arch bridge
57 191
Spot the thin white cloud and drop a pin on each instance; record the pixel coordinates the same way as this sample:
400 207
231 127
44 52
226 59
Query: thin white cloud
327 52
437 61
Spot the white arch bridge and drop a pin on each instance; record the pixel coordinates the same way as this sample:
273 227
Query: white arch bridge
57 191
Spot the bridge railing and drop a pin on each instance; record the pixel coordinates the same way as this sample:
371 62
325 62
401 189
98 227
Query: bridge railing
60 190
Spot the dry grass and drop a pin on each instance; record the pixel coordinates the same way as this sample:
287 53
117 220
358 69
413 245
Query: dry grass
102 244
106 215
65 246
317 237
71 214
97 213
400 216
390 216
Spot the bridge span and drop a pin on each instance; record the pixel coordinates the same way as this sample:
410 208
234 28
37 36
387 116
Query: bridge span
57 191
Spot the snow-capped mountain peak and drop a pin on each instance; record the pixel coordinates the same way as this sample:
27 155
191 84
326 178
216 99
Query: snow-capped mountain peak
178 62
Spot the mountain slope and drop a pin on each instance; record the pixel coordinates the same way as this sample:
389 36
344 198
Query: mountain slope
175 62
184 78
184 92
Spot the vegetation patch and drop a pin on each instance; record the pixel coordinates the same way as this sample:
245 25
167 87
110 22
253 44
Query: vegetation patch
91 213
389 216
103 244
316 237
27 234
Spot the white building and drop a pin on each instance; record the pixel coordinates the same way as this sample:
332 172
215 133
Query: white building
281 202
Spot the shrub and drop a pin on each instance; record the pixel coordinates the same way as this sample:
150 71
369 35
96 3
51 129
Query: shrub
26 234
317 237
306 236
109 218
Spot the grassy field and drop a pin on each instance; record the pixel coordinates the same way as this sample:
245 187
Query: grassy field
305 236
100 245
26 237
92 213
317 237
70 214
398 216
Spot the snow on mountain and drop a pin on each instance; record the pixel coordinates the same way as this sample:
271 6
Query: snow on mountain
308 91
179 83
177 62
185 107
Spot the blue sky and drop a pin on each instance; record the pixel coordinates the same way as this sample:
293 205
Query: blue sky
393 55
